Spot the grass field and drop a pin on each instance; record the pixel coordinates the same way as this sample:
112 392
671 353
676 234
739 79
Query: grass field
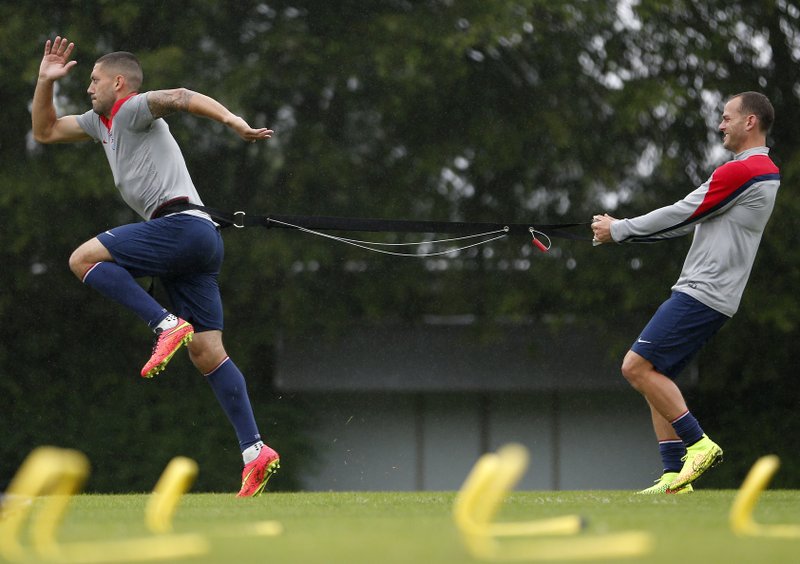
405 527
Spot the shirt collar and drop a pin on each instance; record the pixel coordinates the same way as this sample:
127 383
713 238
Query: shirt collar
750 152
114 109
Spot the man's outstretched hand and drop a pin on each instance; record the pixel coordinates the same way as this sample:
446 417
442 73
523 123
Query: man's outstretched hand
241 127
56 61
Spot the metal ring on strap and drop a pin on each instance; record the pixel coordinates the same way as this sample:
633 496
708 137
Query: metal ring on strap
236 225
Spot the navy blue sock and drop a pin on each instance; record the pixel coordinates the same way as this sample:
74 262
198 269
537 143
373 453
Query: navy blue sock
116 283
671 454
687 428
229 386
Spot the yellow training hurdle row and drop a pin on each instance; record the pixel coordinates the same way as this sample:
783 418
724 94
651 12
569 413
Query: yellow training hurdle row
57 474
495 475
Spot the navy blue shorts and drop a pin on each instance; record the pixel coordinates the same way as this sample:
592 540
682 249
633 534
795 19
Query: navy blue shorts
679 328
185 252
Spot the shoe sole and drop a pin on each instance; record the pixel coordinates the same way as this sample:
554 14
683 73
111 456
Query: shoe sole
708 464
687 489
269 471
163 364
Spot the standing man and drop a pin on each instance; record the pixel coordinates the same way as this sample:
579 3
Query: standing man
184 249
727 215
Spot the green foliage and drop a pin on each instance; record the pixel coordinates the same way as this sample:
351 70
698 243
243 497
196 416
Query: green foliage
518 111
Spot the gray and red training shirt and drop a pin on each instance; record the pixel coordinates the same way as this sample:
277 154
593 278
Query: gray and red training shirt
728 214
145 159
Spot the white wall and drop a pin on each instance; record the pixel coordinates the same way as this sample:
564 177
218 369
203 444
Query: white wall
403 441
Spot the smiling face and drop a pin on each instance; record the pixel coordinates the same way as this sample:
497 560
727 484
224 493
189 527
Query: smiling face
735 126
103 89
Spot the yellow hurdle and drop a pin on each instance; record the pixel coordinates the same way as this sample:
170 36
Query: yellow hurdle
741 514
478 501
175 481
486 486
57 473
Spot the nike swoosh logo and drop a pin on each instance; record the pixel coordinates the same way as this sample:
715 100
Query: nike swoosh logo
643 341
247 477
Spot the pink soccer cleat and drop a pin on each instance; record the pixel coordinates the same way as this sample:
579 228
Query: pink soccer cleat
166 345
257 472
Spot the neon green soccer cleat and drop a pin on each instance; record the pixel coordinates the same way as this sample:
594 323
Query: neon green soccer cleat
662 485
701 456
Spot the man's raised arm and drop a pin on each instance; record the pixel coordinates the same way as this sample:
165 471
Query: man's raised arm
47 126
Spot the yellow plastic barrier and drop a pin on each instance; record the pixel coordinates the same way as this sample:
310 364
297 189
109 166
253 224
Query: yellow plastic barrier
175 481
481 496
741 514
177 478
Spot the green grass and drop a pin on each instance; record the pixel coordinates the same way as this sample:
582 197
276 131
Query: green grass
405 527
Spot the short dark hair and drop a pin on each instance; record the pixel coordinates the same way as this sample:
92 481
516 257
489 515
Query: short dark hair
759 105
126 64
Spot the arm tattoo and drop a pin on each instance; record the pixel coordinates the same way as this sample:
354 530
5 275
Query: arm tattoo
165 102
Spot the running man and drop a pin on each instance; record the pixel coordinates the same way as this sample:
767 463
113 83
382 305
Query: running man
727 215
184 250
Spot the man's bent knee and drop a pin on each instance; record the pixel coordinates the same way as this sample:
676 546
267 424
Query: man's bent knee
77 264
635 368
206 350
88 254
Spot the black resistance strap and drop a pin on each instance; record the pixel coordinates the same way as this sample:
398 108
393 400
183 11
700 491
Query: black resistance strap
241 219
